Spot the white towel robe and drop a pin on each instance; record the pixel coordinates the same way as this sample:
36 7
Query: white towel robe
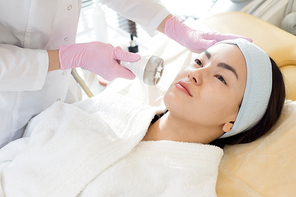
94 148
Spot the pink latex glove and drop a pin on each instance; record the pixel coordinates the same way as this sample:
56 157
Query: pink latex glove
99 58
195 40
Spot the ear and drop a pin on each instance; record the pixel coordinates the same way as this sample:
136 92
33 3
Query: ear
228 126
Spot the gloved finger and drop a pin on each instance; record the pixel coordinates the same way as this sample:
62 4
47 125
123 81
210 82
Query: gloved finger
125 73
219 37
122 55
206 43
201 45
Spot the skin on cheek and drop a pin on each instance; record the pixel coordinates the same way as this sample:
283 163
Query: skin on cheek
210 107
218 107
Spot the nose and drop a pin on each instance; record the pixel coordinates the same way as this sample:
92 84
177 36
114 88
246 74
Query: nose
196 75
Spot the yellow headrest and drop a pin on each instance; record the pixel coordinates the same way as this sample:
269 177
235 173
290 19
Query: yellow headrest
277 43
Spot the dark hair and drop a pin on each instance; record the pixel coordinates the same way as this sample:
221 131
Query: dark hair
270 117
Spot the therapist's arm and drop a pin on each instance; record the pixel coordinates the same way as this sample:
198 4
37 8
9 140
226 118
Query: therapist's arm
161 27
193 39
53 59
22 69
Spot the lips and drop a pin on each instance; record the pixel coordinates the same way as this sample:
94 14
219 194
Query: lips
183 86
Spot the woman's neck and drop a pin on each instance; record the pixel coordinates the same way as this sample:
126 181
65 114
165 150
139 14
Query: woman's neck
170 128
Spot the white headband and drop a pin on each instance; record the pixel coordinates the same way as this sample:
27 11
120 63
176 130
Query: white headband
258 87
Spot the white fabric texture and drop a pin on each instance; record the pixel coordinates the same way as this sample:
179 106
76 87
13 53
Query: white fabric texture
162 168
68 147
258 87
27 29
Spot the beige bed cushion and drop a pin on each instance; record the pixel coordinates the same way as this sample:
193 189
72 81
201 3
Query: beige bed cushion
265 167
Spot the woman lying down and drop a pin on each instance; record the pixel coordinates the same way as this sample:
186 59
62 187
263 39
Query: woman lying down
114 146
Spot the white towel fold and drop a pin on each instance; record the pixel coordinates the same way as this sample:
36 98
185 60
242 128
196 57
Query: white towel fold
162 169
69 147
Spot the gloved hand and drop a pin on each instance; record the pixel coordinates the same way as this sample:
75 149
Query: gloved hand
99 58
196 41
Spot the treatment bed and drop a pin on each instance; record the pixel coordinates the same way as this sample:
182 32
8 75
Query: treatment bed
265 167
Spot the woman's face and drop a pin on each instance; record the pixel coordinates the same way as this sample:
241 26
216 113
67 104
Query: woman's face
208 92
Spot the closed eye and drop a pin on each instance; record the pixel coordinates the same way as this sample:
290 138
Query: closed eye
197 61
221 79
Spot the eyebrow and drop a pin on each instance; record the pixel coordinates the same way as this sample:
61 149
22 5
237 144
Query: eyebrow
208 54
226 66
222 65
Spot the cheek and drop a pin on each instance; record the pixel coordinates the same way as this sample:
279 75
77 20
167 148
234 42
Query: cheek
218 107
177 103
171 100
229 108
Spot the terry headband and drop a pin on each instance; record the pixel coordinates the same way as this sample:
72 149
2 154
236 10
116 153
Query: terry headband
258 86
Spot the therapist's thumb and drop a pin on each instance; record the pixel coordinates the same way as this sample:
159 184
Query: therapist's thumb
122 55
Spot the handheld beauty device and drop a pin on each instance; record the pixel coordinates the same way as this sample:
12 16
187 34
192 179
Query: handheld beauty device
148 69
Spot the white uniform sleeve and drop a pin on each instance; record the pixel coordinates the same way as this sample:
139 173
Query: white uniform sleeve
148 13
22 69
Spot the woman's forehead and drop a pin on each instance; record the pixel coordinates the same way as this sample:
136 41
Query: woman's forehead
226 52
223 47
